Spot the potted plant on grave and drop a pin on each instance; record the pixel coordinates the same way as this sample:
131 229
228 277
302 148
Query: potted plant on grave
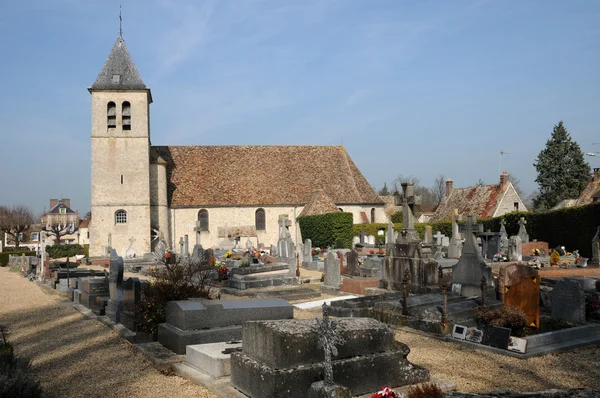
315 254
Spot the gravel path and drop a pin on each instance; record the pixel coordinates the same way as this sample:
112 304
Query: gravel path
74 356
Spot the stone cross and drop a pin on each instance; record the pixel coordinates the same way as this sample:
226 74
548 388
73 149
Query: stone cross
455 247
503 227
181 245
438 238
428 236
523 231
329 337
197 230
408 200
470 240
284 226
109 248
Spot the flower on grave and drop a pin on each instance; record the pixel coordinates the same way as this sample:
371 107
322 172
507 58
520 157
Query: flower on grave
535 252
167 255
387 392
228 254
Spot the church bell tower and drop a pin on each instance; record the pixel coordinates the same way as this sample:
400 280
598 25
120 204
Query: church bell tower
120 158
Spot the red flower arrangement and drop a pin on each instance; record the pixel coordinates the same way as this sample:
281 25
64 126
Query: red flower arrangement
387 392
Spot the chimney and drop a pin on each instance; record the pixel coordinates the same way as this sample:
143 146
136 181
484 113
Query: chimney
503 179
53 203
596 174
449 186
66 202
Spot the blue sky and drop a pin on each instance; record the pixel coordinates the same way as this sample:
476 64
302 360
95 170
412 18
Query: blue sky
417 88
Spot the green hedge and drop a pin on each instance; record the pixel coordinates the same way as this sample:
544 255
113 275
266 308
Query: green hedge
572 227
324 230
59 251
13 249
444 227
4 256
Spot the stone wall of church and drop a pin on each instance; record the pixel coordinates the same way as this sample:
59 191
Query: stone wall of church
183 221
356 210
507 202
137 228
159 207
120 173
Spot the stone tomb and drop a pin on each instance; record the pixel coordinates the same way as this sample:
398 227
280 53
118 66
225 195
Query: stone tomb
201 321
281 359
87 292
256 276
213 358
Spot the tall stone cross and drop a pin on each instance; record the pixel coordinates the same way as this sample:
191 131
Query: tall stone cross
503 227
197 230
181 243
109 244
523 231
409 200
329 337
470 242
284 225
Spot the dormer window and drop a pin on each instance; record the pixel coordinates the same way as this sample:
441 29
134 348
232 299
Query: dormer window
116 79
126 115
62 210
111 115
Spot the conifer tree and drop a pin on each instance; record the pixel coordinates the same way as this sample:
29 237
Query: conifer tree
562 171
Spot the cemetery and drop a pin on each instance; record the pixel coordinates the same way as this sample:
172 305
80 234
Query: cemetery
248 325
263 271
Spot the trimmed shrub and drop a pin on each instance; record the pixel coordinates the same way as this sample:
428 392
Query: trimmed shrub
324 230
397 217
4 256
86 250
59 251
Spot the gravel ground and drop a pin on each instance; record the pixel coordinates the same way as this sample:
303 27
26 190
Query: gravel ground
74 356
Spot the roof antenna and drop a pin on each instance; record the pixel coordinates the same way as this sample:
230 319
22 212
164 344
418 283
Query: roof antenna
502 153
120 23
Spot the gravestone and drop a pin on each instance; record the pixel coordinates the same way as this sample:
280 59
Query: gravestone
515 248
596 247
132 297
307 250
332 271
446 241
198 249
438 238
471 267
285 244
519 286
352 262
371 240
115 287
160 248
568 301
362 236
523 231
455 247
355 241
181 248
503 237
90 288
130 252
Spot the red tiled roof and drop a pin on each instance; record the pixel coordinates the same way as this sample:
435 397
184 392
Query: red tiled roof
480 201
592 188
84 223
261 175
319 203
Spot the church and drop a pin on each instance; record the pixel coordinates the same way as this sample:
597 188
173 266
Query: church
141 192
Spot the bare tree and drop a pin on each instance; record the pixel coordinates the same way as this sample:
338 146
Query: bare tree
59 228
438 189
15 221
427 197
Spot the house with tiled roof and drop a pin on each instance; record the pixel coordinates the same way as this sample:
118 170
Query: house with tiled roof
590 194
63 220
140 191
482 201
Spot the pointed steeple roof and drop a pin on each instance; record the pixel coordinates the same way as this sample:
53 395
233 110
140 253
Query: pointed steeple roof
119 71
320 203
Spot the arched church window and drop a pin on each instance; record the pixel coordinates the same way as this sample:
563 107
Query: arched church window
126 115
259 219
111 115
373 215
203 218
121 217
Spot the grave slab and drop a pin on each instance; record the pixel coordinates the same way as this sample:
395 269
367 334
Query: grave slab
210 358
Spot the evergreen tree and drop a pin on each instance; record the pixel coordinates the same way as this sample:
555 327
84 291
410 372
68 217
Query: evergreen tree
384 191
562 171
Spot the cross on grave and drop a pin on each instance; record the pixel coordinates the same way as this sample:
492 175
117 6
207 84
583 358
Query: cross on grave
409 200
197 230
438 238
181 243
328 339
523 231
284 225
470 241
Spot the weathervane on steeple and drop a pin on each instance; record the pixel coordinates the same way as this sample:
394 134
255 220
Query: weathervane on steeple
120 23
